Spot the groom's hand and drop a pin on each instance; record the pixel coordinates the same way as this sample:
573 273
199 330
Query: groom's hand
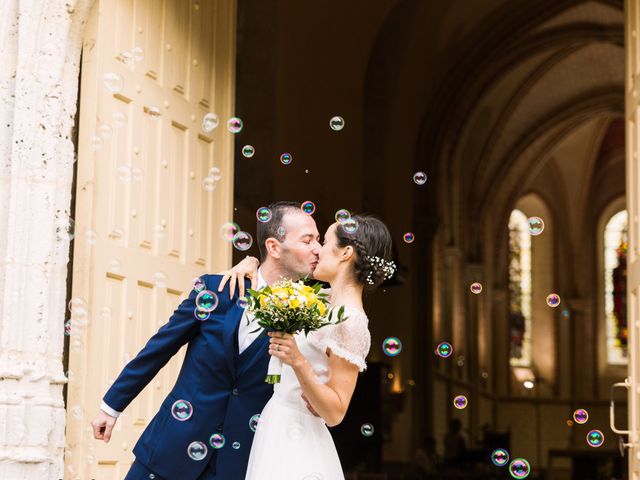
103 426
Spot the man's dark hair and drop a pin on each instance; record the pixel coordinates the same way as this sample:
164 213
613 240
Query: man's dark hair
274 228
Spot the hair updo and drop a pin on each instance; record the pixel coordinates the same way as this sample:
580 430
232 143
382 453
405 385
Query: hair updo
371 240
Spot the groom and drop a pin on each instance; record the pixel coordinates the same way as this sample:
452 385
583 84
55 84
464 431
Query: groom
222 376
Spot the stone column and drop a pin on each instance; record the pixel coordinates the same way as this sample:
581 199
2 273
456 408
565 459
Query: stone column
40 44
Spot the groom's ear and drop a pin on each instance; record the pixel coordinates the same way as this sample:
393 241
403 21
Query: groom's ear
272 246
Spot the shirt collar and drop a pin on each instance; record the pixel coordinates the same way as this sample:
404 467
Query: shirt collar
261 281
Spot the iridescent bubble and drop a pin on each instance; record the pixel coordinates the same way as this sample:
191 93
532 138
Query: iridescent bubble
254 422
201 315
207 300
367 429
197 451
154 112
264 214
159 232
160 279
90 237
77 412
236 445
476 288
553 300
595 438
124 173
67 328
460 402
391 346
198 284
242 241
105 131
342 215
181 410
282 232
96 142
444 349
209 184
138 54
420 178
228 230
234 125
248 151
321 374
210 122
408 237
308 207
119 119
242 302
137 174
536 225
295 431
519 468
350 226
581 416
126 57
336 123
500 457
286 159
217 440
113 82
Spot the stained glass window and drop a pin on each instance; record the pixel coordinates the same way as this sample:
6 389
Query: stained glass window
519 289
615 287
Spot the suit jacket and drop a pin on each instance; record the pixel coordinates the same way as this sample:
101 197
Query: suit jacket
224 388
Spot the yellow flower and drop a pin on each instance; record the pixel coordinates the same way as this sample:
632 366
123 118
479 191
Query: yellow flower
322 308
311 298
263 301
294 302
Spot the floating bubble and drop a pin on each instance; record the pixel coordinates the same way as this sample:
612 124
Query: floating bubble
581 416
295 431
209 184
553 300
90 237
217 440
444 349
264 214
234 125
160 279
392 346
350 226
236 445
336 123
159 232
77 412
408 237
154 112
242 241
460 402
476 288
215 173
119 119
308 207
566 313
197 451
242 302
126 57
254 422
228 230
536 225
314 476
420 178
595 438
367 429
67 328
286 159
105 131
198 284
500 457
137 174
210 122
248 151
181 410
124 173
113 82
519 468
201 315
96 142
207 301
282 232
342 215
138 54
321 374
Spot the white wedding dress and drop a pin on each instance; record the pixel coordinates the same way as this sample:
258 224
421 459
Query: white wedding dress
290 443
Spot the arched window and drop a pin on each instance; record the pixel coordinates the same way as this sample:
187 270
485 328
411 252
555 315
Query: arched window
519 289
615 287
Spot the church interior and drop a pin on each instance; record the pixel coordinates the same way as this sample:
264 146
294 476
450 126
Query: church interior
489 135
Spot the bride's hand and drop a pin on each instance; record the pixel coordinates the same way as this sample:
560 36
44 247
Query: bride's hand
246 268
284 347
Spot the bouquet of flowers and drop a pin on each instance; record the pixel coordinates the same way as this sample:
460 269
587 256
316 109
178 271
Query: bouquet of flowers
290 307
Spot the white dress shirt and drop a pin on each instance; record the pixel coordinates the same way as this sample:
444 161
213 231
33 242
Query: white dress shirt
245 338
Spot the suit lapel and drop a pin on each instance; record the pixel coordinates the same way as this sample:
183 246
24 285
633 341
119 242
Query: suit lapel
231 322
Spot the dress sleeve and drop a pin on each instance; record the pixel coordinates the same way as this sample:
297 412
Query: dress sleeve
350 339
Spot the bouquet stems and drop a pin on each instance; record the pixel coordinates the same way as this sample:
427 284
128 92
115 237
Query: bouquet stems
274 371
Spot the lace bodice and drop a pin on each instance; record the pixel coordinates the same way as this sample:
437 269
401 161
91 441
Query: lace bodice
350 340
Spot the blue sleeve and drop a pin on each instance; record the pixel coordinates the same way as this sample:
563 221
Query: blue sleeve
179 330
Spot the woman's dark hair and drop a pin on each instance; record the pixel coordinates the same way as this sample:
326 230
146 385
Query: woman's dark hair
371 241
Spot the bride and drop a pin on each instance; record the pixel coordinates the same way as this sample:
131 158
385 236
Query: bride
291 442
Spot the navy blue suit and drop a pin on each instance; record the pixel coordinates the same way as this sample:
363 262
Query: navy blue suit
225 389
